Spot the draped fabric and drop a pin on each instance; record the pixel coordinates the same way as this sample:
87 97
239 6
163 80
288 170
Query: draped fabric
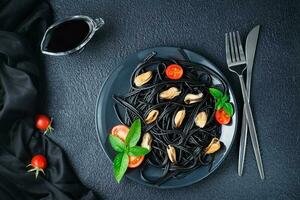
22 23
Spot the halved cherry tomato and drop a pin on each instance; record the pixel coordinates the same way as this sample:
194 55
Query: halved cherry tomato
121 131
174 71
135 161
222 117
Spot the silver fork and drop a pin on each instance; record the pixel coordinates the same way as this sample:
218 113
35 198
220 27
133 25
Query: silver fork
236 62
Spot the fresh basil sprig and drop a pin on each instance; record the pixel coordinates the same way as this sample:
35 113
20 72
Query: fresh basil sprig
222 101
126 149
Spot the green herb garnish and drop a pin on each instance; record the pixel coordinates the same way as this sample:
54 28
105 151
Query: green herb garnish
222 101
127 148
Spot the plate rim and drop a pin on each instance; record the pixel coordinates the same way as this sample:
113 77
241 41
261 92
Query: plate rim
233 99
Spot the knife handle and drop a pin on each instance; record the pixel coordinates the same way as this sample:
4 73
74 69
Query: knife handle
252 129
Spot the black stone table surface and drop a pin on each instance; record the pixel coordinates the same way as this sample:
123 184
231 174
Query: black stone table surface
73 84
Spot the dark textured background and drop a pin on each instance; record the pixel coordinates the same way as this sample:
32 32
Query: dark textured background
73 83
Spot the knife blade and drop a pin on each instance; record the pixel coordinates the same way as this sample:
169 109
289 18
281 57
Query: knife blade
251 43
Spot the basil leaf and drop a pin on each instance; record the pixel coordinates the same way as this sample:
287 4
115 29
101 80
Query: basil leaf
216 93
225 98
116 143
219 104
137 151
228 108
134 133
120 165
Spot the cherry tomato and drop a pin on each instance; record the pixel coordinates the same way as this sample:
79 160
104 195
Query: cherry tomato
135 161
39 161
174 71
222 117
121 131
43 123
38 164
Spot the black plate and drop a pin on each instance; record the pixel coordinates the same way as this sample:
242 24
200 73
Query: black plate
118 83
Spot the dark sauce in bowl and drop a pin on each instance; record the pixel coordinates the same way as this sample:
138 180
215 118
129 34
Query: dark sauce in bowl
67 35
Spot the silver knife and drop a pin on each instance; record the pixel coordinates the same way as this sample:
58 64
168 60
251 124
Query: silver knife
251 43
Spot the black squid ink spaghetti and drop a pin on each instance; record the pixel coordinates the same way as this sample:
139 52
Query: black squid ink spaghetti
181 109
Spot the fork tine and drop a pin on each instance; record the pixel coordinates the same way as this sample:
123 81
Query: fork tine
228 56
242 55
235 46
231 48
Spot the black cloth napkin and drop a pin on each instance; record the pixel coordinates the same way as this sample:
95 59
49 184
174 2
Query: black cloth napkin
22 23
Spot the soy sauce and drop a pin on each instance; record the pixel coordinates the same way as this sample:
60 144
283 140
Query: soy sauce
67 35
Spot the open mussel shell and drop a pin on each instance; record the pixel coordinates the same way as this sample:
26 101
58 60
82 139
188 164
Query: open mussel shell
193 98
179 117
201 119
143 78
152 116
170 93
147 141
171 153
214 146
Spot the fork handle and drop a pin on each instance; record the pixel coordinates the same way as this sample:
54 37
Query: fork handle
243 143
252 129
